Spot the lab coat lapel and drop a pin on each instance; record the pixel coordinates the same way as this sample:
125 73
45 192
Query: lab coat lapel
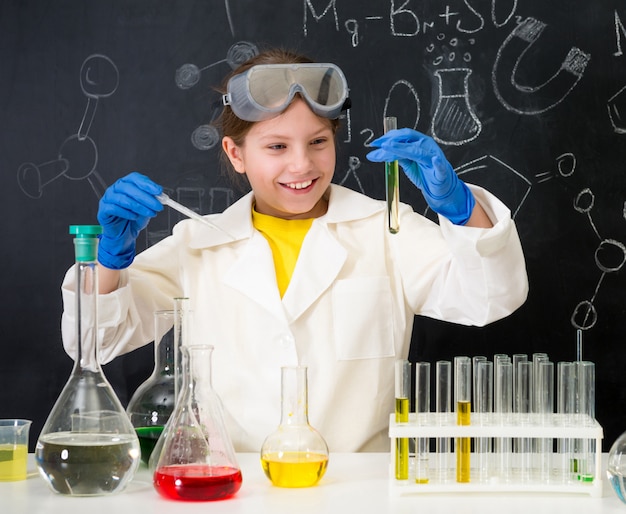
319 262
253 275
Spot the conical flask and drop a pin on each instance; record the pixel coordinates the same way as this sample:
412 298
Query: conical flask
295 455
153 402
197 460
87 446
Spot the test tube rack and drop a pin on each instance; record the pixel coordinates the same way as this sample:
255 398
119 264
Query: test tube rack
557 427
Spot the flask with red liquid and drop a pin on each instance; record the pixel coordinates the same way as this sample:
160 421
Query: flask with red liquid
197 461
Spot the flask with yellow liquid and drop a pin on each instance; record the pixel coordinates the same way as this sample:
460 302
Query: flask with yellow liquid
295 455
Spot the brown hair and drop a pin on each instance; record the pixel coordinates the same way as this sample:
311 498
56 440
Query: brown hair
228 124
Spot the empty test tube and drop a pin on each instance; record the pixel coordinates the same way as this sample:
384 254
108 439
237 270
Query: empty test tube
566 408
392 183
483 407
585 408
422 413
503 407
463 397
544 409
443 397
402 393
523 406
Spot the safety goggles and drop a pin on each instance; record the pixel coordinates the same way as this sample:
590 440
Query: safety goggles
266 90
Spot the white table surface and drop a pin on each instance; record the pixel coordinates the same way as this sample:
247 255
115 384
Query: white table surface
354 483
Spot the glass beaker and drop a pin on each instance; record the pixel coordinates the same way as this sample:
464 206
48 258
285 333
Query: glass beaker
87 446
295 455
197 460
13 449
153 402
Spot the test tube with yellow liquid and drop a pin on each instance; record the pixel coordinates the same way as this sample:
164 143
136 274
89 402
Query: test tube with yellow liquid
392 183
463 395
403 388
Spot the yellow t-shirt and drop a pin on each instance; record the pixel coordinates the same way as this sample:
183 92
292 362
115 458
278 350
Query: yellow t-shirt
285 239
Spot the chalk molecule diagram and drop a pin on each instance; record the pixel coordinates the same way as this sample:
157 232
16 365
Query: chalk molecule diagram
77 157
206 136
609 256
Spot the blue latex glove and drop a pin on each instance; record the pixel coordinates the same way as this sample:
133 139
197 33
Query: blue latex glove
425 165
125 210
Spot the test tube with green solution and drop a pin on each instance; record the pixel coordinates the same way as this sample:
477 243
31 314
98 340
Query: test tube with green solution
392 183
403 390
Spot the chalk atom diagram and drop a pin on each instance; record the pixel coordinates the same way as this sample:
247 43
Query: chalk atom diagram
77 157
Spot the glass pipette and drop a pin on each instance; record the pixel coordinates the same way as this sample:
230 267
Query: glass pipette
166 200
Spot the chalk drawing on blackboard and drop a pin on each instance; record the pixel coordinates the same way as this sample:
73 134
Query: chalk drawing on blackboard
351 177
523 99
508 184
230 19
408 103
160 227
616 106
99 78
205 136
220 199
610 256
454 121
565 166
78 155
188 75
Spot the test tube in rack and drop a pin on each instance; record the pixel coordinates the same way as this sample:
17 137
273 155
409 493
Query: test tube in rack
463 401
402 393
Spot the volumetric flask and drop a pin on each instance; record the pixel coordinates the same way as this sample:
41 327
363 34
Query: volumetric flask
87 446
295 455
153 402
197 460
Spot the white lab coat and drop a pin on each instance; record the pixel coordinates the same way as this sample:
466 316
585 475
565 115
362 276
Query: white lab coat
347 313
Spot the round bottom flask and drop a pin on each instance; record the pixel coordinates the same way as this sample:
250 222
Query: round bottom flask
295 455
197 460
616 469
153 402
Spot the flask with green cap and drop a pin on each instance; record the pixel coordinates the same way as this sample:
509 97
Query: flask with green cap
87 446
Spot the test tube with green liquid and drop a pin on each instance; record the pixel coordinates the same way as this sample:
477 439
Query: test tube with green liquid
392 183
403 390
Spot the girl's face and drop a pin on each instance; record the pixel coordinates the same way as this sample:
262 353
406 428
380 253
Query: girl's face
289 161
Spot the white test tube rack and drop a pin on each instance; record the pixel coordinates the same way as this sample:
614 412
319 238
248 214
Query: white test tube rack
558 427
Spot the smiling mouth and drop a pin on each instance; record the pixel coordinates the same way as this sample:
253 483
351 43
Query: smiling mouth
299 185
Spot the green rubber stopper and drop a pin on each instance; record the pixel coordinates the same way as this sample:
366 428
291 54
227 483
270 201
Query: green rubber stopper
86 241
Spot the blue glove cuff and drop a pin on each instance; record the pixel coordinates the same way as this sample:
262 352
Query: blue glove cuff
459 211
115 261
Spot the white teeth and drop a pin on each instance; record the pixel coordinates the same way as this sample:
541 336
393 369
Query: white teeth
300 185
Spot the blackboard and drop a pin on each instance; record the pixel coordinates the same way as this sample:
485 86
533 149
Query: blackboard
528 99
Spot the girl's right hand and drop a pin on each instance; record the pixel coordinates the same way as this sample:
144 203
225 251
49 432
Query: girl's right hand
124 211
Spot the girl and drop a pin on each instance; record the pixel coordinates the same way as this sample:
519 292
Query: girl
311 276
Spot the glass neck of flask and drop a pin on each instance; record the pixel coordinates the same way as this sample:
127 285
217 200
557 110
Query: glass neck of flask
294 396
164 359
87 316
196 370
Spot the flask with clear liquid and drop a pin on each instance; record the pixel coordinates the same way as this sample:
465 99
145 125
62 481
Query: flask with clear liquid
153 402
616 468
197 460
295 455
88 445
